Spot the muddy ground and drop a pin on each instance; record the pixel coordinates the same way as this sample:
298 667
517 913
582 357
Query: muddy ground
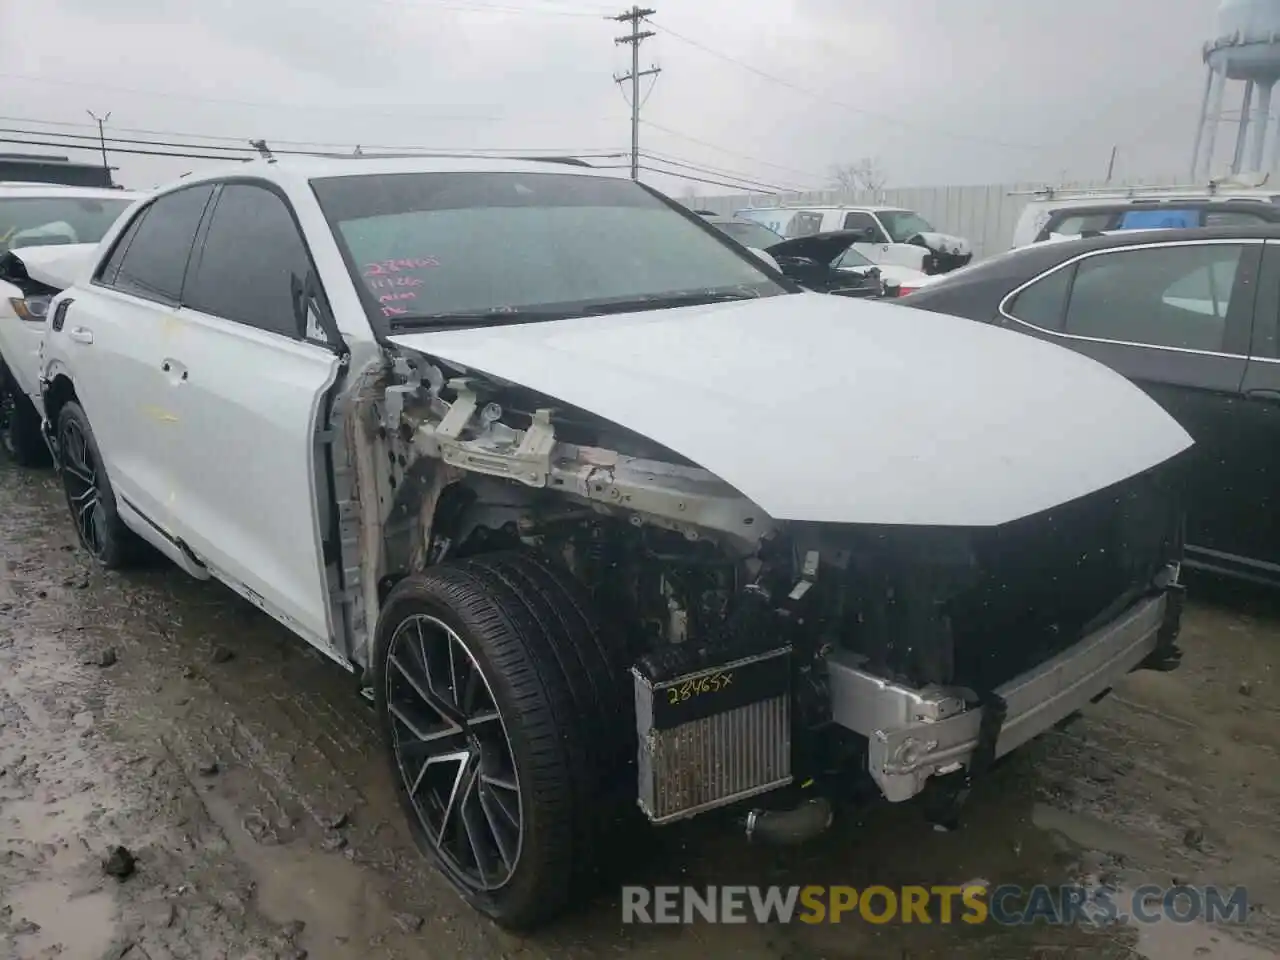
242 772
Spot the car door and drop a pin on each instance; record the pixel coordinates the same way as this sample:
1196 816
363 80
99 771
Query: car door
1175 318
116 339
247 379
876 247
1257 508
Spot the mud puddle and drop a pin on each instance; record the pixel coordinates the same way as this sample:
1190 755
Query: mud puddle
243 772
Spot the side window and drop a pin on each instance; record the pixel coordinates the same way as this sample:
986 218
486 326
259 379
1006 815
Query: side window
250 261
1232 218
107 272
1074 224
1176 296
1043 303
804 223
864 221
156 259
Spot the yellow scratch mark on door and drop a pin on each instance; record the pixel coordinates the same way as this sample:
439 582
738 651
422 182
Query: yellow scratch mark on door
159 414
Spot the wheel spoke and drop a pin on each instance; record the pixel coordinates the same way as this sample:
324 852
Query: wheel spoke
428 695
487 803
464 769
79 473
472 826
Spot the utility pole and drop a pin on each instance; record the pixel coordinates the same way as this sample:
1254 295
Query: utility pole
102 137
634 16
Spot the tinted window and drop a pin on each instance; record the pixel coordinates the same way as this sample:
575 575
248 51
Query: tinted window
426 247
248 263
863 221
1165 296
156 260
1042 303
107 274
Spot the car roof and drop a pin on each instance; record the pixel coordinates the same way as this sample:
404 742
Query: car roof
867 207
23 188
299 171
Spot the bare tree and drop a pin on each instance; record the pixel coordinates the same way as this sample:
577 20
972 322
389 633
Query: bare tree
866 174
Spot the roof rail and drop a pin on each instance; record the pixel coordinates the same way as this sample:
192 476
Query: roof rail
1214 186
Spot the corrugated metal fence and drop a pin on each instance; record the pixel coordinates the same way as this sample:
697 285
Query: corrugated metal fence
986 215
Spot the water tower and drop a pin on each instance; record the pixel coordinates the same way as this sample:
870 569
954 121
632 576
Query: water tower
1245 49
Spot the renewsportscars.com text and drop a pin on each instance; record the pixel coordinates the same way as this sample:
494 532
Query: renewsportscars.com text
1006 905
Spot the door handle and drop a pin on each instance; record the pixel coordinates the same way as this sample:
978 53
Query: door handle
80 334
1263 393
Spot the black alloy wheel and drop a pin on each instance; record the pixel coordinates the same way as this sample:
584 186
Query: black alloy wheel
453 753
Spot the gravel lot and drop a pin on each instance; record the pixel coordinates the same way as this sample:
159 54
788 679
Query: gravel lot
242 773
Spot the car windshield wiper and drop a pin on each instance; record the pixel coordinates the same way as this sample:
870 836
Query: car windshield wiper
478 318
660 301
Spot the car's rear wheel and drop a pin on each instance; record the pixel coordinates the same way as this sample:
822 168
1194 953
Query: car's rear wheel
503 707
90 498
21 434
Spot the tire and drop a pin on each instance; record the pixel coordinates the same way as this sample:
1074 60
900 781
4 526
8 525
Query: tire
90 498
23 440
541 747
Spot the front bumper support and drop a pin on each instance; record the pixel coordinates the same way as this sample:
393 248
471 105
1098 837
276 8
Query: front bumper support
914 734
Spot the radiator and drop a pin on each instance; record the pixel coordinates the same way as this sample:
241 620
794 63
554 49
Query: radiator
712 735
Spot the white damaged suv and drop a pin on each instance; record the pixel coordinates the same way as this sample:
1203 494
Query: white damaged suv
604 513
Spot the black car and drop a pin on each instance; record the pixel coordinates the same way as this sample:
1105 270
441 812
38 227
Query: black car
818 262
1190 316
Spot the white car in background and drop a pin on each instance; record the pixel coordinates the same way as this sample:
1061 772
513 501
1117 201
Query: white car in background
47 233
891 235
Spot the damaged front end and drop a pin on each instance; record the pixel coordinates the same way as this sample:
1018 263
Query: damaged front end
763 652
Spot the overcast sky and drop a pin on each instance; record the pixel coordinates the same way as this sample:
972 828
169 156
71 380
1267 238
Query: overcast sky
941 92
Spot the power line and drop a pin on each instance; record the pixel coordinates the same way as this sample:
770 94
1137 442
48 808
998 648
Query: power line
712 171
391 110
887 117
131 150
725 150
686 176
635 38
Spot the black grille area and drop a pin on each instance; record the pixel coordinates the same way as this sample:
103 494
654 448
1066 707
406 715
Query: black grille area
1046 580
975 607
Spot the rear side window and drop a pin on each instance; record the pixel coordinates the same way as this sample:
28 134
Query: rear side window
1176 296
1074 224
155 262
250 260
108 271
1043 303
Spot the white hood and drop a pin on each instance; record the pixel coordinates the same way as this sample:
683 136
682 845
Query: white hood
831 409
58 265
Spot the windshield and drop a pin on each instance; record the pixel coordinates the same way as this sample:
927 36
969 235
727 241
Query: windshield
902 225
41 221
430 248
851 258
748 234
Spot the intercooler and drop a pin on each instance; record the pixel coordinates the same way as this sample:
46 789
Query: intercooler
710 733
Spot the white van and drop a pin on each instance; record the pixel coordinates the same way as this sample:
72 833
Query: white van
1053 213
895 236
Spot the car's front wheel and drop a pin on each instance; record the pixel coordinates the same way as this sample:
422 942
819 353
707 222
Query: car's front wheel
89 495
505 712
